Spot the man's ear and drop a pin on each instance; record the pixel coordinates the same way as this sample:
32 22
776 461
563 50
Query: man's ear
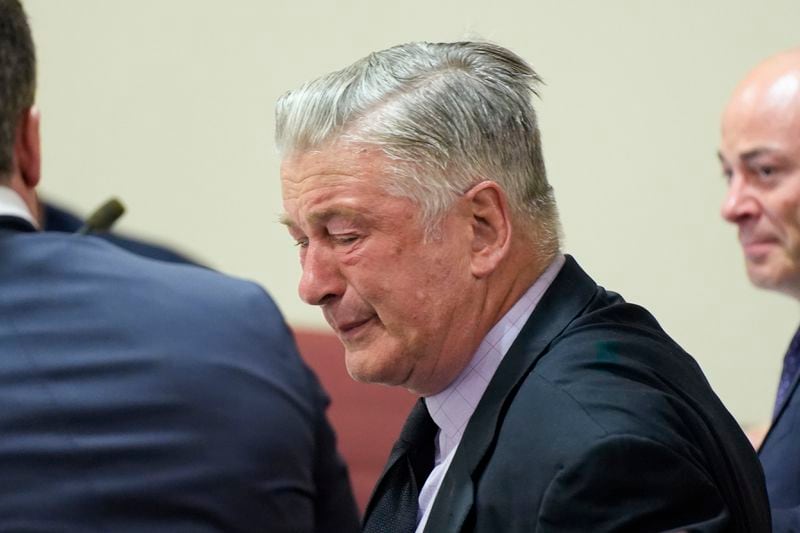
491 227
27 148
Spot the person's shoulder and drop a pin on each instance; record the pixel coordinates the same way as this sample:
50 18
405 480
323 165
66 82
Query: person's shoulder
148 249
199 287
163 288
618 344
614 371
191 315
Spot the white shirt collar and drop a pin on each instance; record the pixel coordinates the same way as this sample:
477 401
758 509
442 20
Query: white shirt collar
452 408
11 204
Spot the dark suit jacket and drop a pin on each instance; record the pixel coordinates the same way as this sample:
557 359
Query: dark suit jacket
597 421
151 397
780 456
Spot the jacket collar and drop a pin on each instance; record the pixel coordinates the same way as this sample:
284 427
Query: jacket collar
781 409
568 295
14 223
12 205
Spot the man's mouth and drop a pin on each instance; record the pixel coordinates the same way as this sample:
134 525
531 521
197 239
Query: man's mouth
350 329
757 248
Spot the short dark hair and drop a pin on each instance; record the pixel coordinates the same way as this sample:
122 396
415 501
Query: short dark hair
17 76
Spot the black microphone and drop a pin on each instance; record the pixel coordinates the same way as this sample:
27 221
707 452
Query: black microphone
103 217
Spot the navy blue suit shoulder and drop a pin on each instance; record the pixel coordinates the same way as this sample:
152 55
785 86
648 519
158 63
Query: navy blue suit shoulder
146 396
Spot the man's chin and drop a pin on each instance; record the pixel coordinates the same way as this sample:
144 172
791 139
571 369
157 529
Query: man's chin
759 279
370 367
773 278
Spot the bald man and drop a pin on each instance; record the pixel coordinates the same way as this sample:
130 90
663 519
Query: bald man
760 156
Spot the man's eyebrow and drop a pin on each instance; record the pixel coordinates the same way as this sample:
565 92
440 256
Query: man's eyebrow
339 211
748 155
286 220
324 215
754 153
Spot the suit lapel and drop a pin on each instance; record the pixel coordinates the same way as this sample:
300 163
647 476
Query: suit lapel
568 295
781 409
12 223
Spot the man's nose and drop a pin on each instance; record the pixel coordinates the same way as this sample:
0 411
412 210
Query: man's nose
739 202
322 279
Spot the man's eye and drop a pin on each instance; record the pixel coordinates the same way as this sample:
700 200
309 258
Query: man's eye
765 171
301 243
344 239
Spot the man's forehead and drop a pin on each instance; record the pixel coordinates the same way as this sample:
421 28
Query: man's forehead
340 157
773 87
762 118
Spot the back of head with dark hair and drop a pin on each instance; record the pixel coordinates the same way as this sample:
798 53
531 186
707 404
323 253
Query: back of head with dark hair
17 76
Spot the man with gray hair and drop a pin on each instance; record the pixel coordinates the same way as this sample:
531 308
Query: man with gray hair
414 186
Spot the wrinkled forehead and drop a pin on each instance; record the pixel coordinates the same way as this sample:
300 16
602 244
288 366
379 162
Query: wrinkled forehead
338 172
340 155
352 161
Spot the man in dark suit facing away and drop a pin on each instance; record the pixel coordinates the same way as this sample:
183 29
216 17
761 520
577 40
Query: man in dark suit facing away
760 156
414 186
139 395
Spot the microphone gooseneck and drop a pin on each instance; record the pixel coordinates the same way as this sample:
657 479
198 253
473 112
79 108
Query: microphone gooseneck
103 217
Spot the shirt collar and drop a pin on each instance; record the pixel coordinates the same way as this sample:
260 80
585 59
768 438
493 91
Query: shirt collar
11 204
452 408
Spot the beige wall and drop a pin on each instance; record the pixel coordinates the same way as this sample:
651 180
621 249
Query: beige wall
168 104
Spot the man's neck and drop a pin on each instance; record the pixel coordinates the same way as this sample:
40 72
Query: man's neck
517 275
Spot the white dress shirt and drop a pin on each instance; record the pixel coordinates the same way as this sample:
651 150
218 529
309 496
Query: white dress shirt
452 408
12 204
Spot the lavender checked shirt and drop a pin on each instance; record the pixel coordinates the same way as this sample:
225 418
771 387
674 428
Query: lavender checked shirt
452 408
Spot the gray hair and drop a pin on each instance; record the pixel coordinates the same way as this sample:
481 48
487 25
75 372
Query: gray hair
448 115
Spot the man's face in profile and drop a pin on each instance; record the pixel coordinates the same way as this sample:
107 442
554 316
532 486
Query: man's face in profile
398 302
760 156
